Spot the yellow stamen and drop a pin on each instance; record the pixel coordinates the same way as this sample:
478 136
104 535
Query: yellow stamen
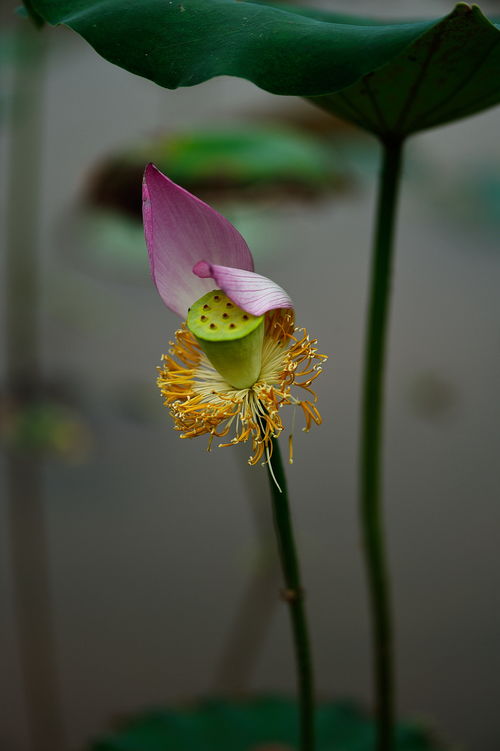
202 402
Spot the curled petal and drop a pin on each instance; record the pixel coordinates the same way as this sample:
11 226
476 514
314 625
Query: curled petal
254 293
180 229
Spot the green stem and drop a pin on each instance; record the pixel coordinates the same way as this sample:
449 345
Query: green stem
294 596
371 444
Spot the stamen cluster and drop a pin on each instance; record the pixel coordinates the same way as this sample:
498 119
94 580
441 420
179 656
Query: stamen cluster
202 402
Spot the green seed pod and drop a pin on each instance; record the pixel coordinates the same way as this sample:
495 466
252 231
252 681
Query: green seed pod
230 337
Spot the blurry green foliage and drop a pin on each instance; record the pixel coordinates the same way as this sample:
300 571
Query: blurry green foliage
242 163
244 155
45 427
264 723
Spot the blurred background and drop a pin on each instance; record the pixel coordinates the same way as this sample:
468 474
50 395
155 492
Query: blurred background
150 562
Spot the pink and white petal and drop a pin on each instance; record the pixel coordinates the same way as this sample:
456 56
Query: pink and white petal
254 293
179 230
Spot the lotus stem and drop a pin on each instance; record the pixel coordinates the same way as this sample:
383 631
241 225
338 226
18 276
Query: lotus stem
293 595
371 445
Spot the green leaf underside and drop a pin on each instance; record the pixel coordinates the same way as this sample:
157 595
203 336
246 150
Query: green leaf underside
32 14
255 724
390 78
450 72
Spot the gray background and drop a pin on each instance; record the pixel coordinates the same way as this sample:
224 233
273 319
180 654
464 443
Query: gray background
152 540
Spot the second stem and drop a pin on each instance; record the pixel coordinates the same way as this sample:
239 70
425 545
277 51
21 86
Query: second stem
294 596
371 444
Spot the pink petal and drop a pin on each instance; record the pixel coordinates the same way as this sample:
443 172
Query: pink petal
180 229
254 293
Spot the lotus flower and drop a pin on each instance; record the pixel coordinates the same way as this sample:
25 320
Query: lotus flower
237 354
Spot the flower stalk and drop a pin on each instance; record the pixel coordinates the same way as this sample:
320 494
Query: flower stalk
233 363
371 444
293 595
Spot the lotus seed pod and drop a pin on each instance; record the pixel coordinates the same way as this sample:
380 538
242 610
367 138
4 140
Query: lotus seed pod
230 337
